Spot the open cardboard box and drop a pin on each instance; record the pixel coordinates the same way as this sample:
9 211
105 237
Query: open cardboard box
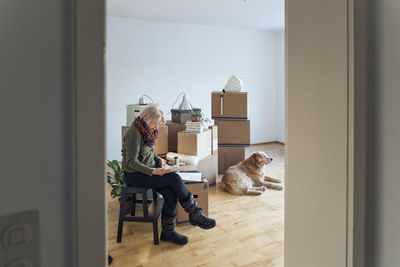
195 144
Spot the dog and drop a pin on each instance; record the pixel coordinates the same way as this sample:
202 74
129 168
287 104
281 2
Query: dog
247 177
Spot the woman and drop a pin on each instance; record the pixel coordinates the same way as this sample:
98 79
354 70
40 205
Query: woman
143 168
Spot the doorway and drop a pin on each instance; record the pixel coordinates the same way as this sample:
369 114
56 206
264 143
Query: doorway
163 57
306 205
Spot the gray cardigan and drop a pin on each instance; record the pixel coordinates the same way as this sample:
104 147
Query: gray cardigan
136 155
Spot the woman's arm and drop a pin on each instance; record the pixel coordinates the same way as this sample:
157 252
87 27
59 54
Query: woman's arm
133 142
158 160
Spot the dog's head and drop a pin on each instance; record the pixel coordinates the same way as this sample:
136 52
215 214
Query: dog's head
259 159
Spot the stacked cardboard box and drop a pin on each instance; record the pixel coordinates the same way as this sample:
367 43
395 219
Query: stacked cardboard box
230 114
173 129
196 144
203 145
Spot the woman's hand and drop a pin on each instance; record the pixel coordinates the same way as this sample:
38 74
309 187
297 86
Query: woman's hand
161 164
160 171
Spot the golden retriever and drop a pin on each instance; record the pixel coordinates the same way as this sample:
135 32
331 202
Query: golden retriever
247 177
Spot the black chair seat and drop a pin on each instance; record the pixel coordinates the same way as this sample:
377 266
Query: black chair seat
154 210
151 211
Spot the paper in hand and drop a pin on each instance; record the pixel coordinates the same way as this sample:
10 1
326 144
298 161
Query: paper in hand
180 168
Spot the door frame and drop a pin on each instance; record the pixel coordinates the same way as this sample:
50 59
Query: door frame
308 20
89 151
90 191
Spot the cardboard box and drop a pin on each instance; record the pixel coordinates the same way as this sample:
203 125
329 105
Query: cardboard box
181 116
214 139
173 129
230 105
233 132
195 144
161 146
200 194
229 156
209 167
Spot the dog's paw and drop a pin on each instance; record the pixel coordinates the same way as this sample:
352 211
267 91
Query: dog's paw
276 187
270 179
263 188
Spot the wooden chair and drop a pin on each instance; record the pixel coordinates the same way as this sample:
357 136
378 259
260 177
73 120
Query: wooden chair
150 212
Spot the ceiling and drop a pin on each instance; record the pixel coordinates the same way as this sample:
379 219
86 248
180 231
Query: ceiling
248 14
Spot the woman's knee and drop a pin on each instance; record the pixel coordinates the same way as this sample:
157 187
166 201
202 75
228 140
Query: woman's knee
174 179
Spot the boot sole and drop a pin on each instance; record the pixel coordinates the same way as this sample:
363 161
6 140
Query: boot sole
202 226
176 243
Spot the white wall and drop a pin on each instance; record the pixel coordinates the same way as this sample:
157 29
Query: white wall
164 59
280 102
36 120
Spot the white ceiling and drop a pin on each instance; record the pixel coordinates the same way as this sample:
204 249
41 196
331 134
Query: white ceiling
249 14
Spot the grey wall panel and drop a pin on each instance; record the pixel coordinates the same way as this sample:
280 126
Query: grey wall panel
36 117
316 133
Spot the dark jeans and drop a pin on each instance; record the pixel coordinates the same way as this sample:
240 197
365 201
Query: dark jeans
170 186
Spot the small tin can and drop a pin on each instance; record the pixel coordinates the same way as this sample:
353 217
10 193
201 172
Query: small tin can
176 161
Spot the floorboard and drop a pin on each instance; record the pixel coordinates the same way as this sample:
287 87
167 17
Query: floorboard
249 229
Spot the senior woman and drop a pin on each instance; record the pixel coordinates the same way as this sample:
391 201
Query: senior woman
143 168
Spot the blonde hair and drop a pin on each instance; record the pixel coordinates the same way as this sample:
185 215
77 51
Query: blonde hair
152 113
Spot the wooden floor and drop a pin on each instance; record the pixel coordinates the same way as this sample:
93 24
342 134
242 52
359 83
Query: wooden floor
249 230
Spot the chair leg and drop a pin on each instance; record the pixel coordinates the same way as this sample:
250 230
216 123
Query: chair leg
121 215
145 204
155 232
133 204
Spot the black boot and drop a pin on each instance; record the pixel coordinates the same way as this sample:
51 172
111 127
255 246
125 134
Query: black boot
168 233
196 215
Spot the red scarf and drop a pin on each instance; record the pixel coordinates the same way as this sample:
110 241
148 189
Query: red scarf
149 136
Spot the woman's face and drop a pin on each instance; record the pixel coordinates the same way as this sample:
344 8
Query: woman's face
153 125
